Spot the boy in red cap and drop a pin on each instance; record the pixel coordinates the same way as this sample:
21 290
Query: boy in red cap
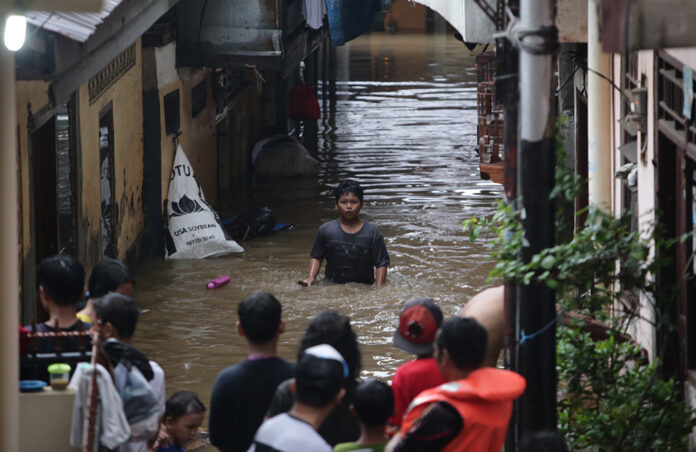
418 323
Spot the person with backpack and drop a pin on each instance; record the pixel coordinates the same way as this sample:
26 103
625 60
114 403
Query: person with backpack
139 381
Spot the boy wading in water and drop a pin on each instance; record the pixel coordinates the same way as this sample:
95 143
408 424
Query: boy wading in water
354 249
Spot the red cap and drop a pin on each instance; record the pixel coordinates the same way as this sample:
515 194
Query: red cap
418 324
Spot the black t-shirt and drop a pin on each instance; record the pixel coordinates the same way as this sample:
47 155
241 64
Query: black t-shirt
67 343
241 395
436 427
350 257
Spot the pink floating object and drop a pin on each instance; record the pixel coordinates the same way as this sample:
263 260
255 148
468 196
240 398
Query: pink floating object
218 282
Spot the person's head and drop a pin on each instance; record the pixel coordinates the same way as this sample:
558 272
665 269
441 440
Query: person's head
460 346
61 280
183 414
117 316
544 441
349 200
110 275
333 328
259 318
348 187
373 402
319 376
418 323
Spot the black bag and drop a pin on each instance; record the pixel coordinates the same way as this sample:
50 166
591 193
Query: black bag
254 223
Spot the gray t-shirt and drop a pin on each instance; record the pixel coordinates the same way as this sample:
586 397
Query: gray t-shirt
285 433
350 257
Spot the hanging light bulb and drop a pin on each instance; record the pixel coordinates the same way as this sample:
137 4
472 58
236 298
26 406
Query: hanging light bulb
15 32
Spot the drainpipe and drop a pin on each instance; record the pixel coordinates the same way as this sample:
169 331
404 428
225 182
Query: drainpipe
598 115
9 276
535 356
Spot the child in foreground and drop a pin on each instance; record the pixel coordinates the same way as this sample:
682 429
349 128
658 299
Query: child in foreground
182 417
373 403
354 249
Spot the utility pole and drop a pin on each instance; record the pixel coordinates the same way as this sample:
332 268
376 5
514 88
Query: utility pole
507 87
535 329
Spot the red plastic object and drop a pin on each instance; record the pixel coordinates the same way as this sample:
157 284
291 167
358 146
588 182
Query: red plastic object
217 282
303 103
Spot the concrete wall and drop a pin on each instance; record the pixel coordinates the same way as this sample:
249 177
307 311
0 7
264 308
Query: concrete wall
406 15
124 97
197 134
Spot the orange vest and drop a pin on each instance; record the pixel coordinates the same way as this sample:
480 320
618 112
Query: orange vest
483 400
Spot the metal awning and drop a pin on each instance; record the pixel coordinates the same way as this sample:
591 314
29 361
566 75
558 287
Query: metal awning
76 26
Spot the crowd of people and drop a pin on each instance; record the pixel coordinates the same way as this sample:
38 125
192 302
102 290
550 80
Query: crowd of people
449 397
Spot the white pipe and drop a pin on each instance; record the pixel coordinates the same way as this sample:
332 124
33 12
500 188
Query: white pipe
535 74
9 275
599 152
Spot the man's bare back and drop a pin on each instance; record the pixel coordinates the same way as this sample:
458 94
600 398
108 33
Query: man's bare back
487 308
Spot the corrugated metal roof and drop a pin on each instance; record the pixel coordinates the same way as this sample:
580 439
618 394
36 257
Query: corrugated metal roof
76 26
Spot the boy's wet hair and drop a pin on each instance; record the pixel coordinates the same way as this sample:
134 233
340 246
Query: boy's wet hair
259 315
373 401
182 403
317 380
119 310
107 276
63 279
465 340
333 328
347 187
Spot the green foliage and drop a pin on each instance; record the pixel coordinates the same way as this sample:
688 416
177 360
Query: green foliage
611 398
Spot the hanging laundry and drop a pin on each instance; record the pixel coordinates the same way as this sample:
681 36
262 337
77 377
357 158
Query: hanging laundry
112 425
348 19
314 12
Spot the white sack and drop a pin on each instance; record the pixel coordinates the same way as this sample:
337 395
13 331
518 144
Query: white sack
194 228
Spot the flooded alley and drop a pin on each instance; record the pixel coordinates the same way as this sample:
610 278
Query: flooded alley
404 126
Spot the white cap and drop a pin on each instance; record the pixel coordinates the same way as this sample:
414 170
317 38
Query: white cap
325 351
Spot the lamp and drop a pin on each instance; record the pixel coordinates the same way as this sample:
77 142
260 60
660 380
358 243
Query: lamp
15 32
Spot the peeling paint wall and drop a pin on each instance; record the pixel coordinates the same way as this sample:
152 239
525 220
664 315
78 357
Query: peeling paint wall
125 98
197 134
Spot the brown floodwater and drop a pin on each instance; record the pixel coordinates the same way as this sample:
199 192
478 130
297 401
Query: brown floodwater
404 126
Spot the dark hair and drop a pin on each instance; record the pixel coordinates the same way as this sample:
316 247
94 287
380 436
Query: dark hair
465 340
373 401
333 328
543 441
182 403
259 315
347 187
317 380
107 276
119 310
63 279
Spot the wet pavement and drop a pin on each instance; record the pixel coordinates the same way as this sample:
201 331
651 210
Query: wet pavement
404 126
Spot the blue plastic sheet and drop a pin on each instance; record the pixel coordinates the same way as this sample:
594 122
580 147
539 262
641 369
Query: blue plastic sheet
348 19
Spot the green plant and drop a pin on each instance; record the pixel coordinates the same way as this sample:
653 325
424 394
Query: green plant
611 398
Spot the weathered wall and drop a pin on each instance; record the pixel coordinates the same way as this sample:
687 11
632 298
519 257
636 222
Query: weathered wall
125 98
36 94
197 134
406 15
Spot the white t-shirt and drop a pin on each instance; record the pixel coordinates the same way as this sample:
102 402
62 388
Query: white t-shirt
314 12
285 433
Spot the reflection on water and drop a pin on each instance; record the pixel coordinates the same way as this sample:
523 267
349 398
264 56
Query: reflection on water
404 126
